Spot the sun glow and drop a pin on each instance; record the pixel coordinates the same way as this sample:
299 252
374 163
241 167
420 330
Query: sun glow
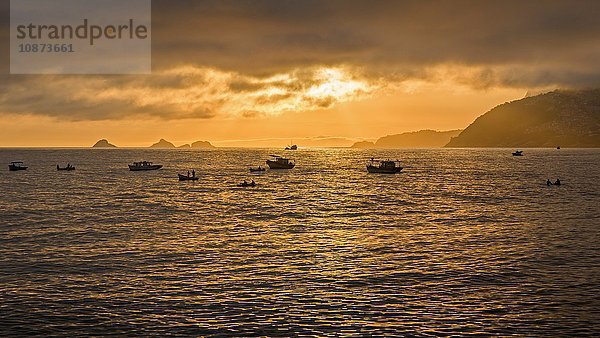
336 83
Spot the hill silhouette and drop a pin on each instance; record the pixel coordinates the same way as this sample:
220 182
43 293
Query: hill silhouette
566 118
415 139
103 144
363 145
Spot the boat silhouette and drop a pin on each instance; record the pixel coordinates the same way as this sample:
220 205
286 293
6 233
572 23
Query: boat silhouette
279 162
383 167
144 166
187 178
69 167
17 166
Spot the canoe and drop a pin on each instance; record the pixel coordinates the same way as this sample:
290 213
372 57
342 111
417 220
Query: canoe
187 178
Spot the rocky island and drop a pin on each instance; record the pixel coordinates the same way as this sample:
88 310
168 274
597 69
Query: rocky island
103 144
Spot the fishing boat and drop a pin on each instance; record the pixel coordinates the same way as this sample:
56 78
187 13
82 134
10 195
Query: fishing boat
518 153
69 167
144 166
292 147
259 169
17 166
383 166
278 162
187 178
247 184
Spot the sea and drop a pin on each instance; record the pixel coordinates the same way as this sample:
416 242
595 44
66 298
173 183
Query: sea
463 242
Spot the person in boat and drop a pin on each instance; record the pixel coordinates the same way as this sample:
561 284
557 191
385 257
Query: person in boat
557 182
548 183
252 183
193 173
57 167
188 174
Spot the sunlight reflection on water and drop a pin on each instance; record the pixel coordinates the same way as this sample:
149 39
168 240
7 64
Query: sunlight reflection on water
461 242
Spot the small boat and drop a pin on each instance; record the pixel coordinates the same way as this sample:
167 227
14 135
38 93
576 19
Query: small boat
292 147
278 162
247 184
143 166
558 147
16 166
259 169
518 153
187 178
383 167
69 167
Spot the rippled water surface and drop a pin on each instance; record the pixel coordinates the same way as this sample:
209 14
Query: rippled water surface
461 242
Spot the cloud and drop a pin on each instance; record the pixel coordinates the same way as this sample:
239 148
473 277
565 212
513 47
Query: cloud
257 58
185 92
558 39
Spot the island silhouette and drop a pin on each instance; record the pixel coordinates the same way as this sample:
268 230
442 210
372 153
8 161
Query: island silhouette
103 144
161 144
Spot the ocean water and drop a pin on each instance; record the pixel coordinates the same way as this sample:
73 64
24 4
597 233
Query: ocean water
462 242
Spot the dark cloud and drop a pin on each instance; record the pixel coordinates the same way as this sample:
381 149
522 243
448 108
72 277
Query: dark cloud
512 43
388 36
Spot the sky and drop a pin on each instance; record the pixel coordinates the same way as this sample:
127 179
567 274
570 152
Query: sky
266 73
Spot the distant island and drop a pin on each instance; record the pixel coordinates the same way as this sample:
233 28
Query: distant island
416 139
161 144
202 145
164 144
103 144
566 118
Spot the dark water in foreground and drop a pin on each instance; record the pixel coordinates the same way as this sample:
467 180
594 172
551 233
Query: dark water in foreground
462 242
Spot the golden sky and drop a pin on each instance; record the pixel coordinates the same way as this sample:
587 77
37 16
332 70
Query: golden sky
260 73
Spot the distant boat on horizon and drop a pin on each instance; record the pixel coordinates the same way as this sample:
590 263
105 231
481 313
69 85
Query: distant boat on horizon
17 166
518 153
144 166
384 167
292 146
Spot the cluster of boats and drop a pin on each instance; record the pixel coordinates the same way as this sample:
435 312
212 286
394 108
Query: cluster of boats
276 162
